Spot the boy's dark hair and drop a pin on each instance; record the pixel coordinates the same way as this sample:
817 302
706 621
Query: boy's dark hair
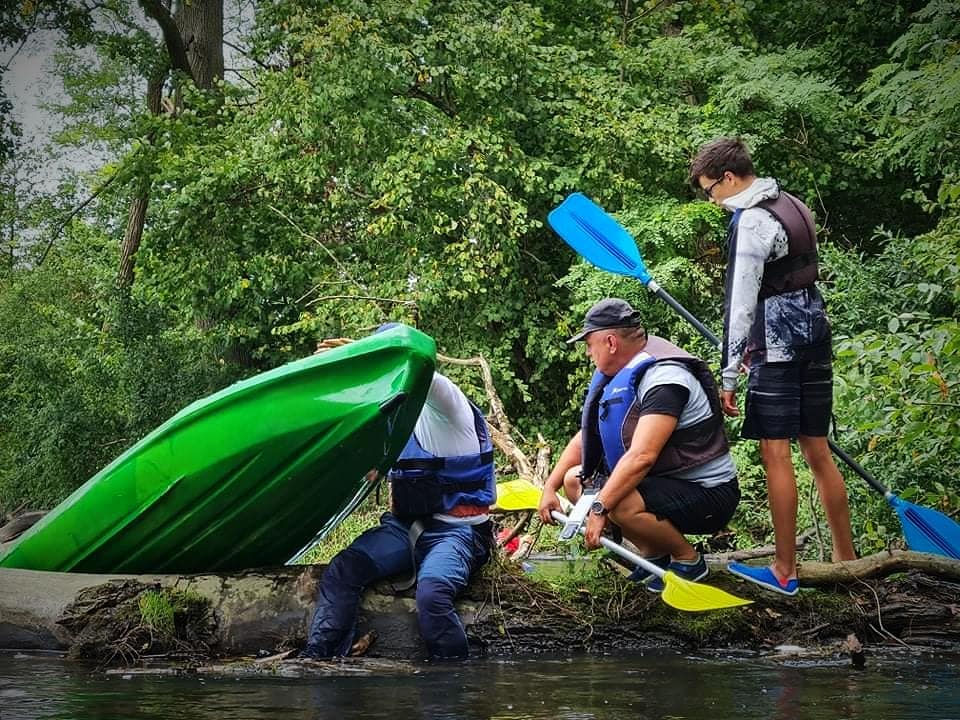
718 156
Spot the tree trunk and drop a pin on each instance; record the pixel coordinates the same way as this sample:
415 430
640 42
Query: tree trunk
201 27
503 610
137 216
194 43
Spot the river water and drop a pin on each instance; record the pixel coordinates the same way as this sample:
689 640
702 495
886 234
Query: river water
665 685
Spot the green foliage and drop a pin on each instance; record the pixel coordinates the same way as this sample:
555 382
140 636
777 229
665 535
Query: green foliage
157 613
582 578
897 372
82 378
397 160
366 516
914 101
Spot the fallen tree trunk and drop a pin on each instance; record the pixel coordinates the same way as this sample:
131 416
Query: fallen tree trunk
253 610
505 611
882 564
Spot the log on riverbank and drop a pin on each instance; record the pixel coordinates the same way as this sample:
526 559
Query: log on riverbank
505 611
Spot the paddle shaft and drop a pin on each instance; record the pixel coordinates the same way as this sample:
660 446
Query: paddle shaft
618 549
653 287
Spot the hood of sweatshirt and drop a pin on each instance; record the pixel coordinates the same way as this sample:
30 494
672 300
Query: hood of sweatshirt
759 190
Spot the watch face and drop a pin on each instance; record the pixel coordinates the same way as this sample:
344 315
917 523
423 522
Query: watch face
597 508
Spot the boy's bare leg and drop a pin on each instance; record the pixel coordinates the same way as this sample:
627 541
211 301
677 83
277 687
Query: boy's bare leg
833 494
782 493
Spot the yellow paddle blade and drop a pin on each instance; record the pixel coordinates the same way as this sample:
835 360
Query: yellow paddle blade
694 597
518 494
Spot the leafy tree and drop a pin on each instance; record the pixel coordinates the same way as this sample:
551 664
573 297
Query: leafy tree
897 372
71 396
914 103
397 160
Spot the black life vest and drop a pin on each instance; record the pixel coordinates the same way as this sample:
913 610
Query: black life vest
799 267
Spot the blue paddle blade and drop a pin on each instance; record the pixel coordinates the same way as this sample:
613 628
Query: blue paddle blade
927 530
587 228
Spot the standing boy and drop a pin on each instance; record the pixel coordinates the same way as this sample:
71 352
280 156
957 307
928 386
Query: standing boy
775 323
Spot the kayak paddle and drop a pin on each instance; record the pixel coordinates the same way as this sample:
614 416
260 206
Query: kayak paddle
677 592
519 494
598 237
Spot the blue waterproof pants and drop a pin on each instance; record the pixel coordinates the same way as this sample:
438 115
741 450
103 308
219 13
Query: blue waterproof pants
446 555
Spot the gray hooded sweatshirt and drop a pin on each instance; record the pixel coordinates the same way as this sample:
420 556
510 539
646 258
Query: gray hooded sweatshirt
779 328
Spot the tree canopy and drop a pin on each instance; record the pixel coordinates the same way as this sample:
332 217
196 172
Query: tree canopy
365 161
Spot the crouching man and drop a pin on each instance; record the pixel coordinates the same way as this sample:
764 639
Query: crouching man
652 435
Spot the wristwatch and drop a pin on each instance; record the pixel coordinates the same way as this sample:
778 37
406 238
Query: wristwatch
598 508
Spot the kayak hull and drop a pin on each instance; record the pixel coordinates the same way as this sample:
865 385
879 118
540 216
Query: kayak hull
245 477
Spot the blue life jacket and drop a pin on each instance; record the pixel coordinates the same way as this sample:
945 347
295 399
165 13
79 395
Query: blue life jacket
423 484
611 411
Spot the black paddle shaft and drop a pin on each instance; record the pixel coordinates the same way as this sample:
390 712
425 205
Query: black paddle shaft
857 468
688 316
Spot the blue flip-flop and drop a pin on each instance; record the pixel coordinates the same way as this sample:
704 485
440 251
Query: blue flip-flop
765 578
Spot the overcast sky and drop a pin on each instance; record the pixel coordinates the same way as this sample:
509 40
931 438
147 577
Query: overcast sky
29 83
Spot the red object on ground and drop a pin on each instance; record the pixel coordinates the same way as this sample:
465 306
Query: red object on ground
510 547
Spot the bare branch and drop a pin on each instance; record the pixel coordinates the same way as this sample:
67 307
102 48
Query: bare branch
73 213
501 429
758 552
395 301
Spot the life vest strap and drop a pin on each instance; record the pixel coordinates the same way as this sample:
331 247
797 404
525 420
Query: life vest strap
437 463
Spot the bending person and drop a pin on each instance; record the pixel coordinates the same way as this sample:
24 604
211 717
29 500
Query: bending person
652 438
441 489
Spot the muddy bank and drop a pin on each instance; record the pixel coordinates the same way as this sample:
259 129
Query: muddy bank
121 620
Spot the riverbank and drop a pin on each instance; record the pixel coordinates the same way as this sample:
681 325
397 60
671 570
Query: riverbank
122 620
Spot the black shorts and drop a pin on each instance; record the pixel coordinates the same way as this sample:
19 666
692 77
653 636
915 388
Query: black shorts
692 508
789 399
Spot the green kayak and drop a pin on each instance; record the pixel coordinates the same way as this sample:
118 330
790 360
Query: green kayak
246 477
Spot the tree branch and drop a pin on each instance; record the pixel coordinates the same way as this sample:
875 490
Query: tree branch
879 565
171 35
757 552
73 213
395 301
448 110
308 236
501 428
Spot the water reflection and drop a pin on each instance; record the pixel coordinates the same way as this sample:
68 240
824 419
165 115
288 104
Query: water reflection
632 688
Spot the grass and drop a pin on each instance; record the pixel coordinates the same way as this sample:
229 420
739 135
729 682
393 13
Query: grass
163 612
366 516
